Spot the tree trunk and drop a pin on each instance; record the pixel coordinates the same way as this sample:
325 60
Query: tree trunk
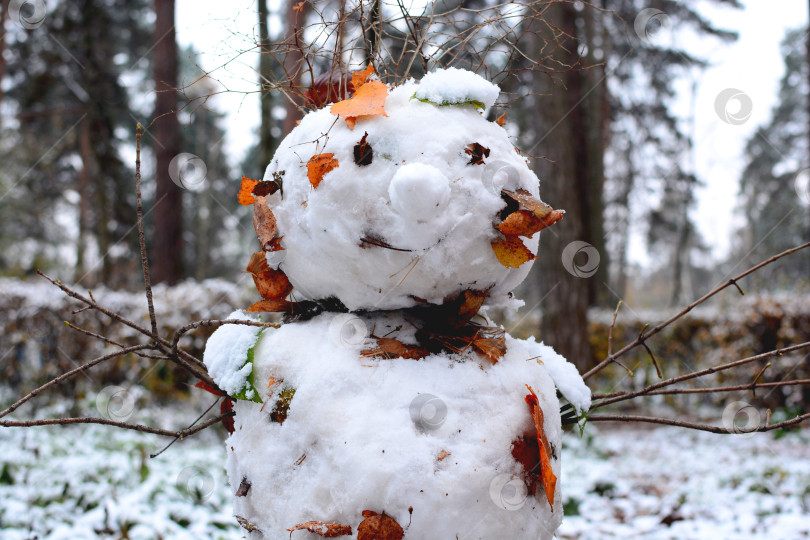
266 142
167 253
294 62
562 120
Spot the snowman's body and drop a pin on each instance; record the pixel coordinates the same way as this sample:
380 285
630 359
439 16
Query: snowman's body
428 441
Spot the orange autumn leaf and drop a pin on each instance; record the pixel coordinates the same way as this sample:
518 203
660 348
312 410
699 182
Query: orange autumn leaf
271 284
321 528
546 473
393 348
379 527
245 196
270 306
443 455
526 223
511 252
490 342
318 165
501 120
368 100
359 78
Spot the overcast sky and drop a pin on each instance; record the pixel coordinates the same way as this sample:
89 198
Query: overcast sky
752 65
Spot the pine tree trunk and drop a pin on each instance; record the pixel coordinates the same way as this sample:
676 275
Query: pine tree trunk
167 253
565 183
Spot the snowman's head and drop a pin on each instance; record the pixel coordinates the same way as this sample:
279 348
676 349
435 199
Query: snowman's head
407 210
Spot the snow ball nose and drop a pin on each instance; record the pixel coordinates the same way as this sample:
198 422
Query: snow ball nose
419 191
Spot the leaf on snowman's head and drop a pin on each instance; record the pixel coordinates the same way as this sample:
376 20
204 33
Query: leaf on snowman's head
379 527
527 215
368 100
318 165
526 223
546 473
477 153
511 252
363 153
359 78
245 195
271 284
322 528
264 223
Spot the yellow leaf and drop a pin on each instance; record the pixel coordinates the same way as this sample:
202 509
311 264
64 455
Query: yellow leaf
511 252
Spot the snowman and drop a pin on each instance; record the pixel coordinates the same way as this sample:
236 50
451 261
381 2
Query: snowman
387 404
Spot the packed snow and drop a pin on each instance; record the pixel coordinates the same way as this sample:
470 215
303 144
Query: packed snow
456 86
368 433
420 196
226 355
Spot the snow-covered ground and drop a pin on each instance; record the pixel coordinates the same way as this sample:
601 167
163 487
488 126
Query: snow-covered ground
97 482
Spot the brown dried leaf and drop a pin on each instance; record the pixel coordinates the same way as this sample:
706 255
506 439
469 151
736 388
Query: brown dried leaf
271 284
264 222
528 202
393 348
322 528
526 223
490 342
501 120
471 302
442 455
363 153
318 165
248 526
271 306
379 527
244 488
511 252
477 153
546 473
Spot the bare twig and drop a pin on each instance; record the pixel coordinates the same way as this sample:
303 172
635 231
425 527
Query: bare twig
644 335
624 396
695 425
147 281
63 377
182 434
